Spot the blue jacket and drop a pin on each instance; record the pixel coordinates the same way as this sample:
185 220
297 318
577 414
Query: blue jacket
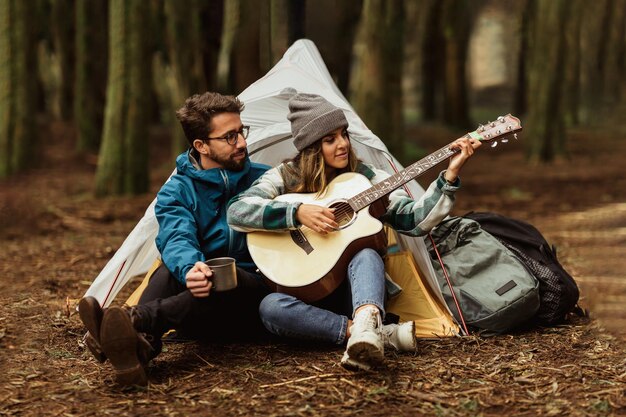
191 211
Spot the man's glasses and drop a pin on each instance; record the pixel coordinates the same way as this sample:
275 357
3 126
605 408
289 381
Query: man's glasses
233 136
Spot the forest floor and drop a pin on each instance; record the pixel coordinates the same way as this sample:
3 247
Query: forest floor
56 237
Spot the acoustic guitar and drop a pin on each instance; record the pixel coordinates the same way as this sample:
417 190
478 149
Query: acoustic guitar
309 265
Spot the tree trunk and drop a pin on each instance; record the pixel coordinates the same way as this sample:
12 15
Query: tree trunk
18 94
265 32
592 39
245 56
25 71
229 34
603 47
90 87
280 25
136 173
123 162
62 25
239 61
614 70
6 86
334 34
456 24
377 87
183 28
571 94
273 31
432 47
212 13
109 175
545 131
348 16
519 100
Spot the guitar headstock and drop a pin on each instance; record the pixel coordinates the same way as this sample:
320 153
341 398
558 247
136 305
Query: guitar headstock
499 130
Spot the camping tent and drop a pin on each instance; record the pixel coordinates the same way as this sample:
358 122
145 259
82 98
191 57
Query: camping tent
300 70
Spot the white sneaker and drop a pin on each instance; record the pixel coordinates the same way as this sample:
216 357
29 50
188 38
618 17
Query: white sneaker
349 363
366 343
400 336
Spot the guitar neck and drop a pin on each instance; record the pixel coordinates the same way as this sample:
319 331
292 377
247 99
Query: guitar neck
492 131
397 180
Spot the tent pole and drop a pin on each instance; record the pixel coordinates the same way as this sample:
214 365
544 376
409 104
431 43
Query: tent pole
445 273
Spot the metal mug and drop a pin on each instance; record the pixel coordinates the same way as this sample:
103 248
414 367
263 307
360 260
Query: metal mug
224 273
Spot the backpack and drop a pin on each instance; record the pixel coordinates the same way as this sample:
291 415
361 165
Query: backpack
494 290
558 292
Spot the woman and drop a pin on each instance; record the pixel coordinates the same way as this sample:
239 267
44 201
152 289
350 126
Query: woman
353 313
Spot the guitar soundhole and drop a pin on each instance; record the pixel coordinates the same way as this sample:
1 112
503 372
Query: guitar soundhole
344 214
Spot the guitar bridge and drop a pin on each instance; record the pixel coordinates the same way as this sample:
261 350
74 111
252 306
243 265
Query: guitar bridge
300 239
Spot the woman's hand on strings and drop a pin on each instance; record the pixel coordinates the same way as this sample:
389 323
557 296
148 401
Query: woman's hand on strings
466 147
317 218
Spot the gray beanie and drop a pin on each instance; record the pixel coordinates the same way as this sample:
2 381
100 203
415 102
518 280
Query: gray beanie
312 117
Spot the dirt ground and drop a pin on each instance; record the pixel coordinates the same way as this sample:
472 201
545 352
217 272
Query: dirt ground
55 238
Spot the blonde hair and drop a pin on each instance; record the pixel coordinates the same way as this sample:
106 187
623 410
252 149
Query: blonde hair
306 173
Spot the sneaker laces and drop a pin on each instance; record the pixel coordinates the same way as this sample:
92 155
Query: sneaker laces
399 336
368 318
388 332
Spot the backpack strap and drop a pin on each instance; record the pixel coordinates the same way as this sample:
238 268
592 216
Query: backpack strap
445 273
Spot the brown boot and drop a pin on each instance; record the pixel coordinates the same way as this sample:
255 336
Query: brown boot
91 314
123 346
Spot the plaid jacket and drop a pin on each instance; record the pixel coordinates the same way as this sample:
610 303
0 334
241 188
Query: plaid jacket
255 208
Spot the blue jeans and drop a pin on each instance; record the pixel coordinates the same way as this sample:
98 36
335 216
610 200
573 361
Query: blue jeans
327 320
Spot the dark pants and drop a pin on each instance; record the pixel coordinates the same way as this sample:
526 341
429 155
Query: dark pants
166 304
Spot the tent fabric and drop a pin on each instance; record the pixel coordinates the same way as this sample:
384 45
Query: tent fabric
301 70
416 301
134 257
133 300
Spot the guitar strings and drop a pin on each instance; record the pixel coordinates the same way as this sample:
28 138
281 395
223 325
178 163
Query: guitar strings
344 212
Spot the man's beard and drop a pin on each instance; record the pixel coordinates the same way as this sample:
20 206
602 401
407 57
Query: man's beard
228 163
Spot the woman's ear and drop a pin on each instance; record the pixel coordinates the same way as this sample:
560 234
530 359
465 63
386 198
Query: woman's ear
200 146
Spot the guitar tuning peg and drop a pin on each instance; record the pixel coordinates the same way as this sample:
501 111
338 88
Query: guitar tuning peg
515 135
493 124
494 144
501 119
504 140
480 128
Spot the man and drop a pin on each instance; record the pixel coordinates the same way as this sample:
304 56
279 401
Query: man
191 211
